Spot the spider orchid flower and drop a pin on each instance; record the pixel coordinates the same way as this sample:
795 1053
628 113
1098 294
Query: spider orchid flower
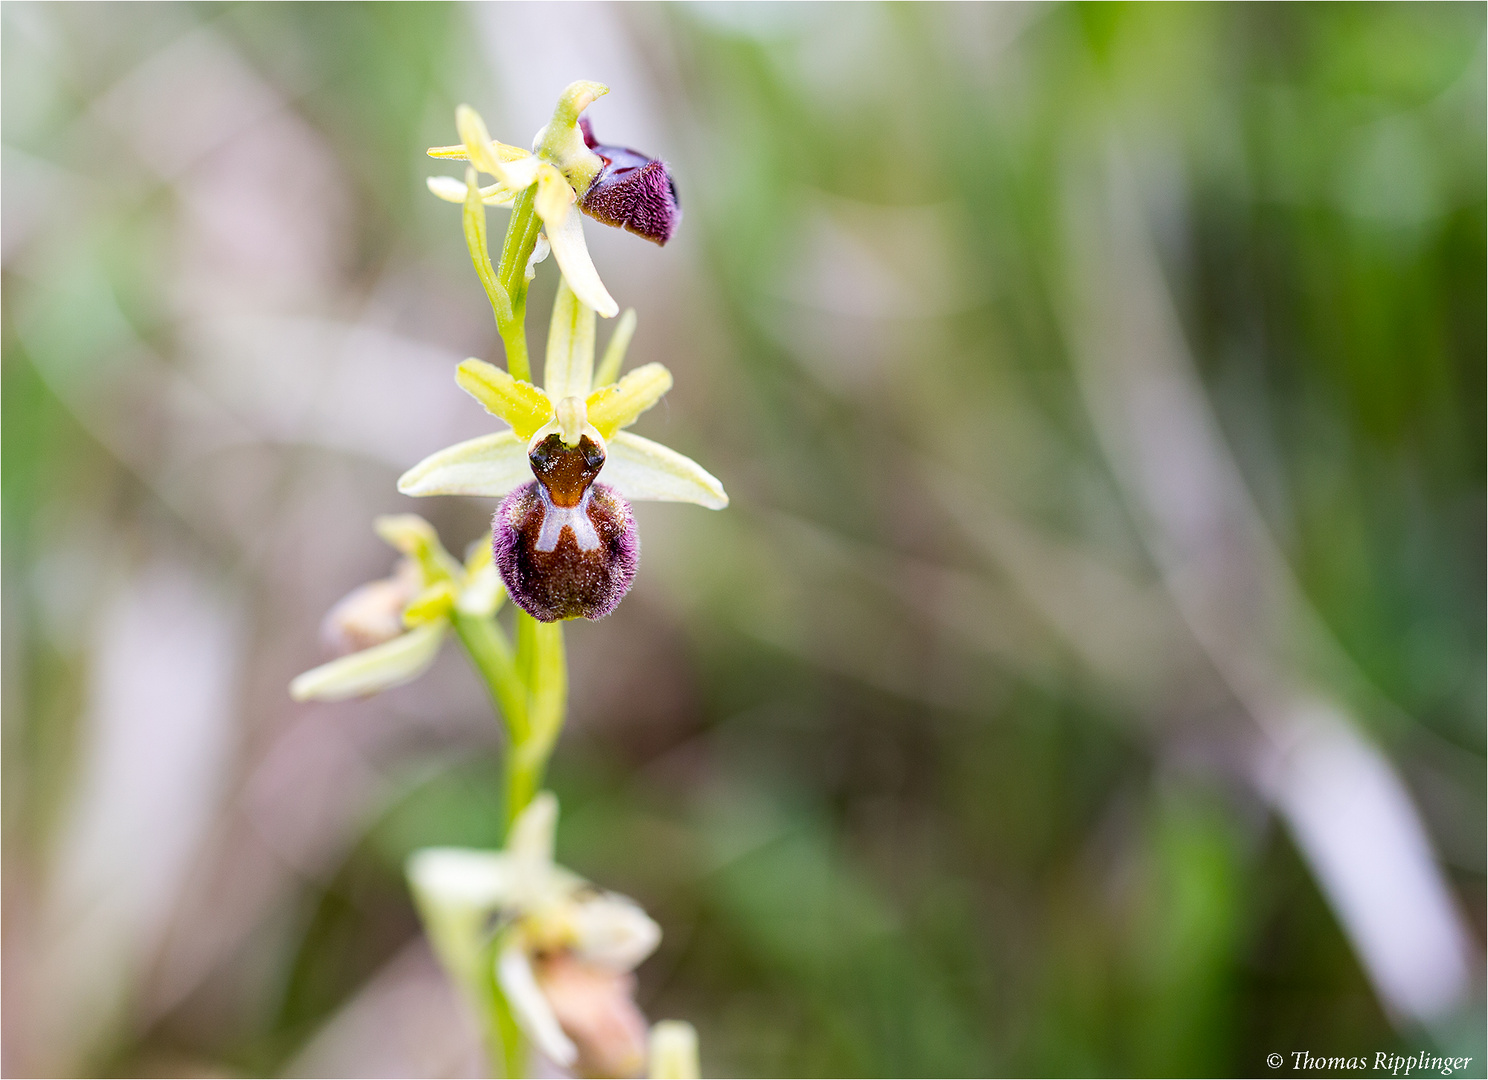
564 539
615 185
396 625
562 950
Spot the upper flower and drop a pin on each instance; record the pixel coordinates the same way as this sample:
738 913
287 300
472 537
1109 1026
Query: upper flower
564 950
397 623
616 186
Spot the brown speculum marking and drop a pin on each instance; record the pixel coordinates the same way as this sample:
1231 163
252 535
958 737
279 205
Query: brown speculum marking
566 471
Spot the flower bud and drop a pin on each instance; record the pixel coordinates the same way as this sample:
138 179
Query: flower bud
372 613
596 1009
566 546
632 191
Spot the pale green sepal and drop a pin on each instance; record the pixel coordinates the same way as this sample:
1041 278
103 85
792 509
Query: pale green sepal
381 667
673 1051
614 356
488 466
640 469
554 196
486 154
450 877
567 239
456 890
570 366
447 188
452 190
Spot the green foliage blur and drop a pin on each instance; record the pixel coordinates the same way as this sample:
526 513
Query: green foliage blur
892 822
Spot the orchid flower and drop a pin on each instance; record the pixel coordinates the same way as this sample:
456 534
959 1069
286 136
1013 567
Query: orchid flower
614 185
562 949
565 544
397 624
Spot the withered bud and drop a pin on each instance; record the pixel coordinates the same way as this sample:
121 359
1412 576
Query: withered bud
596 1008
632 191
372 613
566 547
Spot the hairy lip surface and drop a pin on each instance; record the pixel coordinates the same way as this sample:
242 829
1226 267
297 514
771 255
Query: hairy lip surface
591 562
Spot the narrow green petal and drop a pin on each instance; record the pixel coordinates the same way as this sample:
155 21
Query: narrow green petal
381 667
431 605
488 466
522 405
641 469
614 355
570 366
620 404
567 238
504 152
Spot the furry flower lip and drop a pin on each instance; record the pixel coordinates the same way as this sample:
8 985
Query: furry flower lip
564 539
632 192
565 546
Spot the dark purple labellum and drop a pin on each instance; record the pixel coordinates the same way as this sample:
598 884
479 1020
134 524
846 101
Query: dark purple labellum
566 547
632 192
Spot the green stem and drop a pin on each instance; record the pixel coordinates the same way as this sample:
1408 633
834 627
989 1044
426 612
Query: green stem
521 238
544 666
511 1053
491 654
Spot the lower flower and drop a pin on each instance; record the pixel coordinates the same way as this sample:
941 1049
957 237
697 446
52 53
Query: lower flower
565 562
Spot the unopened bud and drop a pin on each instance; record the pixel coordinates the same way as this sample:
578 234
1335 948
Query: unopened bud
372 613
596 1009
673 1051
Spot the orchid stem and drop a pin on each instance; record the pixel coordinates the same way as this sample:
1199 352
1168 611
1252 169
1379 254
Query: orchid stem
491 654
544 667
521 239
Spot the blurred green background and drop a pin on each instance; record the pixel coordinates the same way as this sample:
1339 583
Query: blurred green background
1087 678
